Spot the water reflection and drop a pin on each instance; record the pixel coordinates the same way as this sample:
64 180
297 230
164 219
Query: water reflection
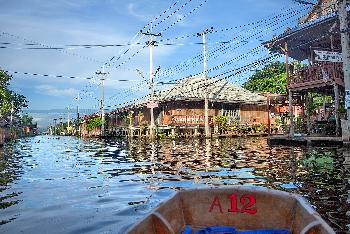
68 185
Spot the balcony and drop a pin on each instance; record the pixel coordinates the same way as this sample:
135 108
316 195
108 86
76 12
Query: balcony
316 76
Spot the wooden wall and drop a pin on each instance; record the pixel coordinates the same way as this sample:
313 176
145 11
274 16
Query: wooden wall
251 114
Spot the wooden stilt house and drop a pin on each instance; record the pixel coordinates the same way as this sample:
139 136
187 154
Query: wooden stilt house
316 41
180 107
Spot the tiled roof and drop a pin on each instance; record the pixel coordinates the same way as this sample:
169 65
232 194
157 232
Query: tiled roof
193 88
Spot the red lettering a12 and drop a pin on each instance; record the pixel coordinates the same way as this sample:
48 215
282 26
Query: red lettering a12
233 208
216 202
251 201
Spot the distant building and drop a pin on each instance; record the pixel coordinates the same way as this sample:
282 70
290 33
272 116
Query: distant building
181 106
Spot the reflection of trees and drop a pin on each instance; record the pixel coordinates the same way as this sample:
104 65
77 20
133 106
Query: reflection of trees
204 160
325 184
168 164
10 169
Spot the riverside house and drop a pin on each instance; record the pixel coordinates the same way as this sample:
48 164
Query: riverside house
180 107
315 41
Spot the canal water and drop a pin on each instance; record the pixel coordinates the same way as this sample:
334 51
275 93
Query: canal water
66 185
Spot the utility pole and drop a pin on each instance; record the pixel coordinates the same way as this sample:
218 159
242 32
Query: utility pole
150 44
68 128
103 75
206 102
344 32
54 126
11 117
78 117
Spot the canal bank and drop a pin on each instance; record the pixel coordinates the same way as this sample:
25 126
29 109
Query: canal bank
63 184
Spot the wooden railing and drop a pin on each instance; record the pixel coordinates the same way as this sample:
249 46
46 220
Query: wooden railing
189 120
317 75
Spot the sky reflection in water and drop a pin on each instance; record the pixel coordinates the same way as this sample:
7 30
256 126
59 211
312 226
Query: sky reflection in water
65 185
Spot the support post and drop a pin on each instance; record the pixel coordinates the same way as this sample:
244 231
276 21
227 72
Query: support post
344 30
290 99
308 102
290 94
303 110
68 123
336 109
151 82
151 79
78 116
206 102
336 94
268 114
102 74
54 128
131 134
11 117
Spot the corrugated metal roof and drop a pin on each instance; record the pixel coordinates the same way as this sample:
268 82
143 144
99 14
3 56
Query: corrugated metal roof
194 88
311 34
311 23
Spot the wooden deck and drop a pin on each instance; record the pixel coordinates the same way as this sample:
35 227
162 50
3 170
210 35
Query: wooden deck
316 76
305 140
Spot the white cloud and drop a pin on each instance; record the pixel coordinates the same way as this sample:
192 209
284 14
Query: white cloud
132 11
52 91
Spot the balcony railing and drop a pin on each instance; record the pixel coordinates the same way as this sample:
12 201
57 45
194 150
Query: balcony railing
189 120
317 75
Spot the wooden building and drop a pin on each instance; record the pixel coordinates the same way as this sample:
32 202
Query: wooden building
321 8
318 32
180 107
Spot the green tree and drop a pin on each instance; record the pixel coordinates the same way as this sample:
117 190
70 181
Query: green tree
9 100
221 122
94 123
270 79
26 120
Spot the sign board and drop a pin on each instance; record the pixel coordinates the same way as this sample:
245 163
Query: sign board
347 99
152 105
328 56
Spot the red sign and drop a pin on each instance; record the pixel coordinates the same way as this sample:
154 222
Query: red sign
246 202
152 105
190 119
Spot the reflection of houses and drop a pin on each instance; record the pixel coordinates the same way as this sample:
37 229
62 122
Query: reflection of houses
318 31
10 131
181 106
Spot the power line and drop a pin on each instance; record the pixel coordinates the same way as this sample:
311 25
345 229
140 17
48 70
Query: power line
2 33
61 76
234 72
190 62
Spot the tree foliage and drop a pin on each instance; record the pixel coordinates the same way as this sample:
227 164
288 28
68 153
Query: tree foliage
27 120
9 100
221 122
94 123
270 79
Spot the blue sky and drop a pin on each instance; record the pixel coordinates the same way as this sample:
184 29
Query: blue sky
65 22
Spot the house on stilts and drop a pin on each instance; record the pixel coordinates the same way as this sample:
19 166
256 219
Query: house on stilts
180 108
316 43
